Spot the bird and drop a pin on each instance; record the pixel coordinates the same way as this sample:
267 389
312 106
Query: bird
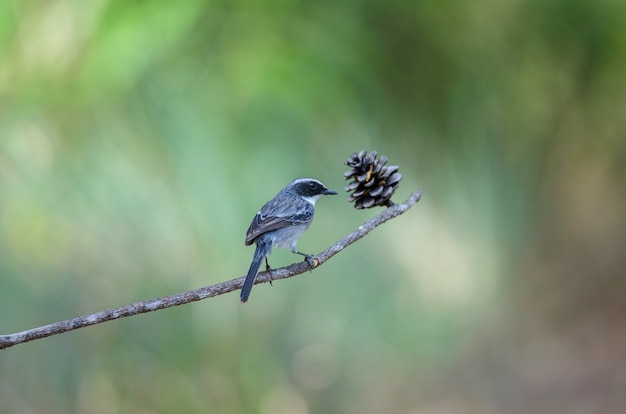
280 223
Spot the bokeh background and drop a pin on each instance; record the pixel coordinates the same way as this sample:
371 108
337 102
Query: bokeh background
137 140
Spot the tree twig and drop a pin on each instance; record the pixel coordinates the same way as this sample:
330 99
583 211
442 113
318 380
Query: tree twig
7 341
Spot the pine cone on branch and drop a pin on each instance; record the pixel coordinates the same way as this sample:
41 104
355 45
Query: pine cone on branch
373 183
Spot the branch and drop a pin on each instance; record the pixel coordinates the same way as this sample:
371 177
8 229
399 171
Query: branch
7 341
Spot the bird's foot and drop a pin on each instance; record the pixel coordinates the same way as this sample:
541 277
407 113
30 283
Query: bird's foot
268 270
310 260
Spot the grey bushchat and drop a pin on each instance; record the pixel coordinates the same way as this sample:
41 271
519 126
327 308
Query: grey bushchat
281 222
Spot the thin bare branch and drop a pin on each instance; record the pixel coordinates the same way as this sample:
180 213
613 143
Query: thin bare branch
7 341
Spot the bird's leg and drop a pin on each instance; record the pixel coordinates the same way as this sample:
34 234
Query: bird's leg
307 257
268 269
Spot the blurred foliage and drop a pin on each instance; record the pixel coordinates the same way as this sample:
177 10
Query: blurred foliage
137 139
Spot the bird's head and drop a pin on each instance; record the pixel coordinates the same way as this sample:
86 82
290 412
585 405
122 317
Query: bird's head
309 188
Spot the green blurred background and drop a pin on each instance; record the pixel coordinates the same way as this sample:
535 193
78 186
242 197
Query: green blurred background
138 139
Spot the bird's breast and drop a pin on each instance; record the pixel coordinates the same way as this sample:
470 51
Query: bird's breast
286 236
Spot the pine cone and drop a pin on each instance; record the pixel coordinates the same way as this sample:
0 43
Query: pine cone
374 183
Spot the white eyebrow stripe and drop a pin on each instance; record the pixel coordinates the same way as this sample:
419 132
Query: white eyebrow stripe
299 180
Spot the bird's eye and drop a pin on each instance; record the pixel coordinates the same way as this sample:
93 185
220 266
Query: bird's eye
312 186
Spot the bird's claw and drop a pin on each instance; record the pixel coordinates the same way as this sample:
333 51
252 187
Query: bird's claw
268 270
311 260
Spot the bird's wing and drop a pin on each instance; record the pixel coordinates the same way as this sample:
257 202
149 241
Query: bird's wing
275 215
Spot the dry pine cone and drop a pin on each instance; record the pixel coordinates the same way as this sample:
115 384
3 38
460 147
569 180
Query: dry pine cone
374 183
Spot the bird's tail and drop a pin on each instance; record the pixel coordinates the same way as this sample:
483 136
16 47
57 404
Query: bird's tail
262 250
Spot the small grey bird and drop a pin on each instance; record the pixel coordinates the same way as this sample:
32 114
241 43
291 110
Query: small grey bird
281 222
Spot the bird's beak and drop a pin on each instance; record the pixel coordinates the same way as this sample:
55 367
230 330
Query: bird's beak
329 192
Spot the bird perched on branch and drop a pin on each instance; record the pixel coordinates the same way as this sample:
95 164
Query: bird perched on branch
281 222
